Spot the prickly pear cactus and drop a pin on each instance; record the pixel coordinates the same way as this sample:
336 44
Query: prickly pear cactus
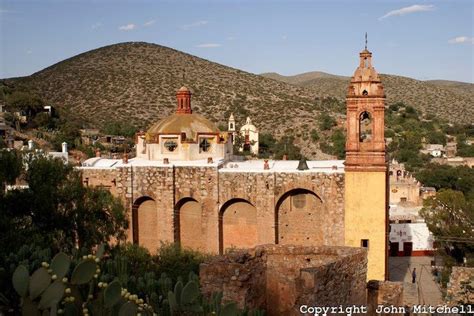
49 291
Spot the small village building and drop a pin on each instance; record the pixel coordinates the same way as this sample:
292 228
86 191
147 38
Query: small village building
435 150
411 239
248 133
409 234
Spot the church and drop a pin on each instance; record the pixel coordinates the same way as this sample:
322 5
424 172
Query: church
184 186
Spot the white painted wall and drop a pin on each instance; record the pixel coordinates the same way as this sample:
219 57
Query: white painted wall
417 233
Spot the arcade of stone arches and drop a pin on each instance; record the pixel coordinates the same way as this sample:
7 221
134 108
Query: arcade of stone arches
237 222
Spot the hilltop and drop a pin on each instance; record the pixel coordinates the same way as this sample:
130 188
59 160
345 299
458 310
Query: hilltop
135 82
450 100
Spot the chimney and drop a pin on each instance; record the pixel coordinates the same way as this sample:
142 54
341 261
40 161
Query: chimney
285 157
209 160
31 145
166 161
97 153
64 147
125 158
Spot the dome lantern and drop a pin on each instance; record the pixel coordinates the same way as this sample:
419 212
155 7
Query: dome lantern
183 97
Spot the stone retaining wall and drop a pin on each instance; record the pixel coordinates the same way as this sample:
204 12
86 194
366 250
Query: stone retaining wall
281 278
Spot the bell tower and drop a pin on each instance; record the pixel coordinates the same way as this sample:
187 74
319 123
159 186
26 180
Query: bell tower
365 144
366 187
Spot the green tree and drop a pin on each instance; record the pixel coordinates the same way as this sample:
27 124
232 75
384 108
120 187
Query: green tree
120 129
25 101
56 210
266 145
239 141
69 132
451 220
286 146
436 137
10 168
459 178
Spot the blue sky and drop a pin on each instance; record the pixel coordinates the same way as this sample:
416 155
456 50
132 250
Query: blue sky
420 39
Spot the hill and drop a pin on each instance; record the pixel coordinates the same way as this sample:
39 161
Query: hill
136 82
450 100
302 78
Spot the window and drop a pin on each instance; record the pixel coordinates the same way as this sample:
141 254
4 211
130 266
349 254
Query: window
364 243
365 127
366 63
170 145
204 145
365 92
231 125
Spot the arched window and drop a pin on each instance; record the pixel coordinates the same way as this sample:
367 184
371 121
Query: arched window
365 127
366 63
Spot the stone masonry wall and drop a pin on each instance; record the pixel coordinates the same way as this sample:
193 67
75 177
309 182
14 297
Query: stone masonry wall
322 222
267 191
386 293
461 286
281 278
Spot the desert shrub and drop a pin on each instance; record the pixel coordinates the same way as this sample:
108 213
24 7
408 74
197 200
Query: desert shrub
326 121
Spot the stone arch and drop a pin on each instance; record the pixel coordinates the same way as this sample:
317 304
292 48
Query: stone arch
188 223
298 218
237 225
145 223
365 127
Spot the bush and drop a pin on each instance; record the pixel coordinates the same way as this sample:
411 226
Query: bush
176 261
314 135
326 122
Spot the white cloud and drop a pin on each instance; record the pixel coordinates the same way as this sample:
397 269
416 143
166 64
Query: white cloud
209 45
407 10
149 23
462 40
193 25
127 27
96 25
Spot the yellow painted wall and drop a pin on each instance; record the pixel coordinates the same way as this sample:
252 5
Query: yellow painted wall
365 217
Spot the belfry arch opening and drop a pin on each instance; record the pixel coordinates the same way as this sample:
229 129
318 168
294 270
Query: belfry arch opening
188 224
298 218
365 127
145 230
237 225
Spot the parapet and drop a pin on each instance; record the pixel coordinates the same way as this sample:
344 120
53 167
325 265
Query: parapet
282 278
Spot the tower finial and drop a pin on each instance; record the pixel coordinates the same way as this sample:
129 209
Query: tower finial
365 40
